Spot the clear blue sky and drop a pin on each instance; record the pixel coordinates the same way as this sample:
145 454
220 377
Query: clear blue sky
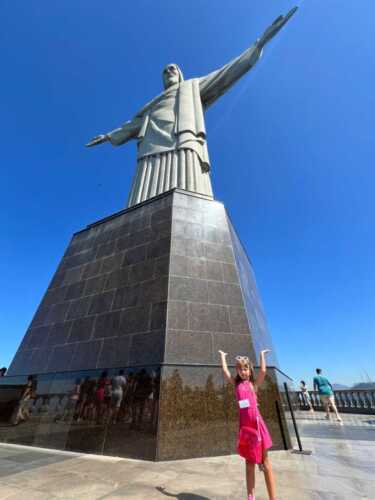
292 150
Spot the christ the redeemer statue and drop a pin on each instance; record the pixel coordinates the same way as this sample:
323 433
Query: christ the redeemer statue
170 130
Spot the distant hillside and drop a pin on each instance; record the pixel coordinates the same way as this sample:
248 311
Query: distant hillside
339 387
364 385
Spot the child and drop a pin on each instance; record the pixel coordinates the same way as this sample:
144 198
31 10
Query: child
306 396
253 438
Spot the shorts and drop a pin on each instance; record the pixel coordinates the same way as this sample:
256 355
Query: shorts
306 397
117 399
327 399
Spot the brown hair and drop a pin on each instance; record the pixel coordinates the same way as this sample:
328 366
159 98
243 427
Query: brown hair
243 363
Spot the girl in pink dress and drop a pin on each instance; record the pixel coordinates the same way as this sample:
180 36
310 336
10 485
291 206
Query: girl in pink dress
253 437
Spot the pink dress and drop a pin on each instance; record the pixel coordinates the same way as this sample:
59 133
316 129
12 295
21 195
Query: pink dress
253 436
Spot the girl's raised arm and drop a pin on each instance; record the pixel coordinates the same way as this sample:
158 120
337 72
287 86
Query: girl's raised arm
263 367
224 365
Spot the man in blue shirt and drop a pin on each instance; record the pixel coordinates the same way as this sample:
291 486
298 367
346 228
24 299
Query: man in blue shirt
325 391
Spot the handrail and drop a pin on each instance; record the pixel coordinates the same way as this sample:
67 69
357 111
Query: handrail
347 400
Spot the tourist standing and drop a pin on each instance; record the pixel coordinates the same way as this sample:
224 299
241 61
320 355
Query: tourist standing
142 391
103 397
70 410
325 391
118 387
253 439
28 394
306 396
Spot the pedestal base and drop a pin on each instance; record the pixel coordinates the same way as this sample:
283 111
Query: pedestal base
155 290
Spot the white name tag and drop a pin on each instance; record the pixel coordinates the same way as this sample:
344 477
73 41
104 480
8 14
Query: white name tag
244 403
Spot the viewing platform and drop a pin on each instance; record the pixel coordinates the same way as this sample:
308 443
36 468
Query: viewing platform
341 467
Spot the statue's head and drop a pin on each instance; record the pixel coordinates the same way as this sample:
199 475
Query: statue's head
172 74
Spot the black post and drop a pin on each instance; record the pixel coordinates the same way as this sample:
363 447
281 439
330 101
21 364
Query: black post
282 430
304 452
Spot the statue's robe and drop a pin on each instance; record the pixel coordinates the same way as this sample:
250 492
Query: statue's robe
171 134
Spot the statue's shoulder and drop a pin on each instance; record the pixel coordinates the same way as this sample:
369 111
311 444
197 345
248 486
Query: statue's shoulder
183 86
150 104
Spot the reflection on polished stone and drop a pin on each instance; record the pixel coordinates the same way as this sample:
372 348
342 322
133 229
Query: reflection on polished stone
198 414
130 413
112 412
194 414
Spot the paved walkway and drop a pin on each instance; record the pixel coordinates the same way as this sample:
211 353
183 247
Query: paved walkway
342 467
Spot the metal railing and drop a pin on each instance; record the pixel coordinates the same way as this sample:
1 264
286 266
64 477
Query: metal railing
347 400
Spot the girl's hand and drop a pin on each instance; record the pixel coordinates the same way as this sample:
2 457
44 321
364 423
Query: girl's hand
265 351
222 353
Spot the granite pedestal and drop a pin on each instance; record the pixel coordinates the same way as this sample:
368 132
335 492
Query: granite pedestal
156 290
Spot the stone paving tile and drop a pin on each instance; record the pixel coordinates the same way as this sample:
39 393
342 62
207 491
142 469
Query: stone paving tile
31 479
8 491
20 494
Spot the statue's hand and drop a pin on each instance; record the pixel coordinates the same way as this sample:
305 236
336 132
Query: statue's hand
99 139
275 27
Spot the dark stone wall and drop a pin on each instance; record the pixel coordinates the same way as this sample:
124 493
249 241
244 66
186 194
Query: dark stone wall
205 306
106 304
167 281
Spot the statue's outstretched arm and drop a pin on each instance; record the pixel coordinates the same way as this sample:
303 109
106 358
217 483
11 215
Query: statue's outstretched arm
120 135
218 82
275 27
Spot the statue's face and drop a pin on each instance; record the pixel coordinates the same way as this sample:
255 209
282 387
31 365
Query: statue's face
171 75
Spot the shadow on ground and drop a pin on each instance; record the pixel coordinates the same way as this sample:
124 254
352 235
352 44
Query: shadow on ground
181 496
